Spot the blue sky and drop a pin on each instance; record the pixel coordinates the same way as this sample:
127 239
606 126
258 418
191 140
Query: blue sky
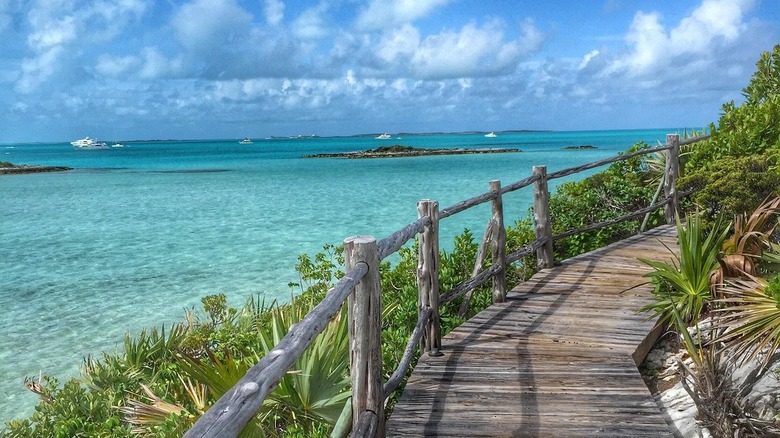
143 69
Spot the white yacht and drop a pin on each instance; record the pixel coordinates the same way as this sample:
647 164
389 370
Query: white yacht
491 134
246 140
88 143
384 136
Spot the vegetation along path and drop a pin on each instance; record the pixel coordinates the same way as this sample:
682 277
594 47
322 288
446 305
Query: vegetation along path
558 358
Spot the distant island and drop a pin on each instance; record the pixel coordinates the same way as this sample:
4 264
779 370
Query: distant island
584 146
7 168
397 151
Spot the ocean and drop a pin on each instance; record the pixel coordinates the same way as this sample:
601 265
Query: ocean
133 237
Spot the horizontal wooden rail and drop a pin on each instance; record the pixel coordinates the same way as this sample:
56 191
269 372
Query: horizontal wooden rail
604 224
616 220
465 205
616 158
526 250
395 241
485 197
471 283
519 184
485 275
228 416
696 139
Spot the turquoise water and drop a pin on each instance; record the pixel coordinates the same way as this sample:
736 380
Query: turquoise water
133 237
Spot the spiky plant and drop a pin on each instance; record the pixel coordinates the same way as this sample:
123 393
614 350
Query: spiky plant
751 318
744 249
684 285
315 390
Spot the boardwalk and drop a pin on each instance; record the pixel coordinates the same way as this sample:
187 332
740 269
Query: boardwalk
558 359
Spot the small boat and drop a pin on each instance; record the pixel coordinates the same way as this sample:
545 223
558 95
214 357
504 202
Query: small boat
118 145
246 140
491 134
384 136
88 143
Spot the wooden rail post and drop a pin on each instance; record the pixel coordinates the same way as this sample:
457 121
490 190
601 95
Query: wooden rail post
498 244
671 171
428 276
544 255
365 331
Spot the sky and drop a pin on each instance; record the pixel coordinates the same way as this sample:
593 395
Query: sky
208 69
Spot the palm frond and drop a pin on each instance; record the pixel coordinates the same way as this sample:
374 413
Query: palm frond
751 318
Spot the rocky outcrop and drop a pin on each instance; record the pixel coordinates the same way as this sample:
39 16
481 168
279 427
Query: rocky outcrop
397 151
582 146
661 371
10 169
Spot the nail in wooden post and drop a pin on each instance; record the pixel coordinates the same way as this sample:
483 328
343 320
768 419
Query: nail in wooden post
544 255
498 244
428 276
365 310
671 171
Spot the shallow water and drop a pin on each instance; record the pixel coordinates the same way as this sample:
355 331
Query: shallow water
132 237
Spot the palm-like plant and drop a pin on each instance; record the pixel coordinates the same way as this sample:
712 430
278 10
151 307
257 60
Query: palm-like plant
142 414
203 381
683 287
316 389
749 246
313 391
751 317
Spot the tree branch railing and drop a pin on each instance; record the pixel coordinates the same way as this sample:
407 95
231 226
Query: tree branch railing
360 289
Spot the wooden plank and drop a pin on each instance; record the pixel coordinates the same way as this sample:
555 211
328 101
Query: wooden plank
557 359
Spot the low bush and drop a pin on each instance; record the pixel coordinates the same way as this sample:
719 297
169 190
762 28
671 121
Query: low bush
730 187
621 189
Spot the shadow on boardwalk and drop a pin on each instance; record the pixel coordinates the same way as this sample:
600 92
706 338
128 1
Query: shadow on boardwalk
557 359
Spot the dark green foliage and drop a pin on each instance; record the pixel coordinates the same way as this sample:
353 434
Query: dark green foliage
621 189
518 236
734 185
71 411
395 148
772 289
320 273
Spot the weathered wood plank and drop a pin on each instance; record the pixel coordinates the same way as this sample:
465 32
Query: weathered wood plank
557 359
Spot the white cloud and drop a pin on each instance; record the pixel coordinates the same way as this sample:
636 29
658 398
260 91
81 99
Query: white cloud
54 32
62 35
38 70
381 14
587 58
274 12
652 48
401 42
311 23
470 52
415 62
115 65
156 65
207 26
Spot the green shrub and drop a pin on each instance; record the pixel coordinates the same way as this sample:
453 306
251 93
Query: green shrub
69 411
621 189
733 185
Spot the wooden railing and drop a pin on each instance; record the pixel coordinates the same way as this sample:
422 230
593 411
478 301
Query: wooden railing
360 287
